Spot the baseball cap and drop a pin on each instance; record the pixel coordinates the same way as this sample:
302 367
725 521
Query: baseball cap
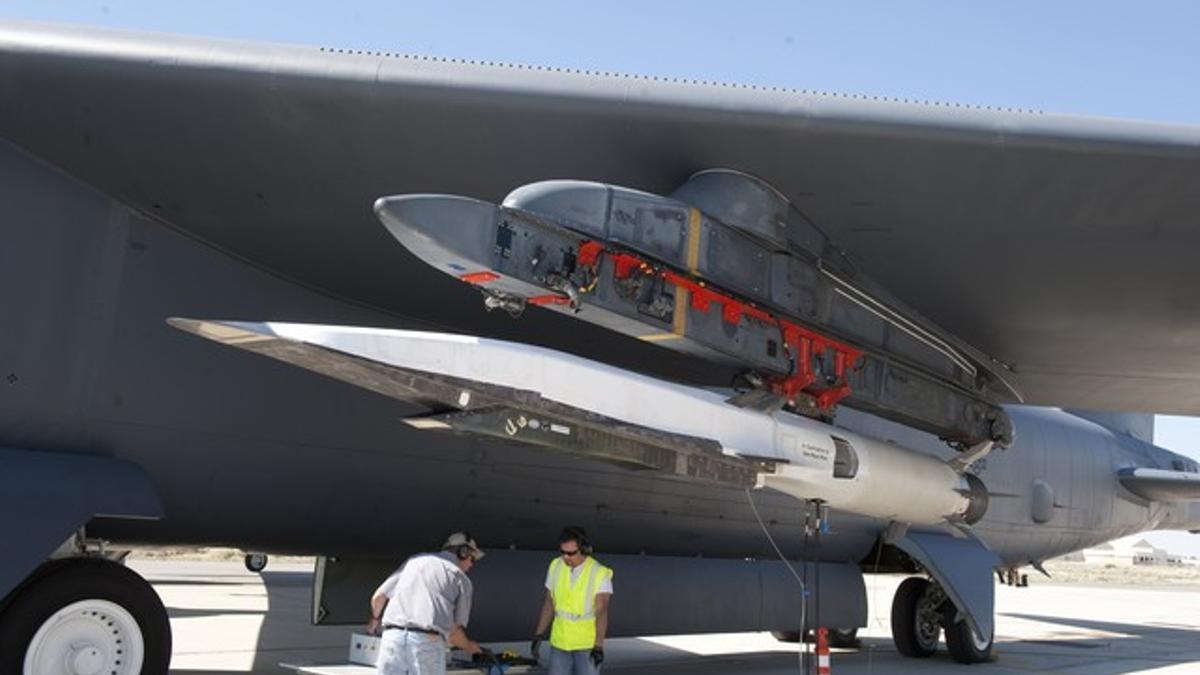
459 539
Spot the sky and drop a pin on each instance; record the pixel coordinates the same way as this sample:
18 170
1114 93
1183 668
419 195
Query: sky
1114 59
1124 59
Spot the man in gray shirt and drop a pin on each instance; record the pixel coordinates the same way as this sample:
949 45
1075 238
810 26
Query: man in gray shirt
422 606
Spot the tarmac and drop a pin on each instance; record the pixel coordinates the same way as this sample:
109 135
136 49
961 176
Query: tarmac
221 624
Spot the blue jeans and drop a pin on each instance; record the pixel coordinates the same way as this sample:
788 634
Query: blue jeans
577 662
403 652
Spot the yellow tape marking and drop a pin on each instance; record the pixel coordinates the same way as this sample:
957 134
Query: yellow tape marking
679 320
693 254
659 337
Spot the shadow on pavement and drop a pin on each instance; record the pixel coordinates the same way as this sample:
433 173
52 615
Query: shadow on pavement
1127 647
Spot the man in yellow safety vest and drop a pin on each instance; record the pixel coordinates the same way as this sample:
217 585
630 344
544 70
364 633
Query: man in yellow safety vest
578 589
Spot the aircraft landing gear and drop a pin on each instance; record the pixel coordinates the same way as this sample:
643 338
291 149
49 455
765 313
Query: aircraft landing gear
964 645
843 638
85 616
255 562
920 612
917 617
840 638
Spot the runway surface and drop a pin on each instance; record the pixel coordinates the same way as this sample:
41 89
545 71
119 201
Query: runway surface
221 624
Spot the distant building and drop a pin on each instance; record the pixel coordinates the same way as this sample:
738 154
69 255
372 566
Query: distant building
1073 556
1128 552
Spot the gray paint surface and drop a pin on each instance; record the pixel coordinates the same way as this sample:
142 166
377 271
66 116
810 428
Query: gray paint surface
45 497
652 595
1058 239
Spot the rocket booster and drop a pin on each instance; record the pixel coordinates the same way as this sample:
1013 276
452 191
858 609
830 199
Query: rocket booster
724 269
475 376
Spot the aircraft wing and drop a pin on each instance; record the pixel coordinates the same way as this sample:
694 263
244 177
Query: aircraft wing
483 410
1061 246
1161 484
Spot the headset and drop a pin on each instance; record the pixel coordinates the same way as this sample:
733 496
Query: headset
461 551
578 535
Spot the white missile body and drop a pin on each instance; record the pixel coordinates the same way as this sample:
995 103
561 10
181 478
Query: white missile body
812 460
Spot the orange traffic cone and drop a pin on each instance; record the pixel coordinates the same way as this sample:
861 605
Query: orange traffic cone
822 651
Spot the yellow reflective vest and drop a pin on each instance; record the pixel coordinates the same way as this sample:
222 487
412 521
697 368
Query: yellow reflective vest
574 624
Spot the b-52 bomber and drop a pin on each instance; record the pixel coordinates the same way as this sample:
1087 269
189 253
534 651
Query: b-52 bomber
333 302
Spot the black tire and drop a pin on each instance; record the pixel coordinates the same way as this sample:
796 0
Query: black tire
843 638
786 635
963 646
909 642
85 579
255 562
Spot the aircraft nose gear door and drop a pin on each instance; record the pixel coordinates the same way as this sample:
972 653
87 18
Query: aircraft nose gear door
962 592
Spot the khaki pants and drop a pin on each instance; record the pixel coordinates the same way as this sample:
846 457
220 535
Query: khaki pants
403 652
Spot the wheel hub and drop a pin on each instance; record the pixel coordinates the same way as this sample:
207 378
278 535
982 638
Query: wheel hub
88 637
929 617
85 660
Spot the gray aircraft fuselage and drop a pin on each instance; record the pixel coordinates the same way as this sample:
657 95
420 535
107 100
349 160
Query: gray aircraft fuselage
249 452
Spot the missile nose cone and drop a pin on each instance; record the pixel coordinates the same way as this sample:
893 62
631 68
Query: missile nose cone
381 207
404 212
449 232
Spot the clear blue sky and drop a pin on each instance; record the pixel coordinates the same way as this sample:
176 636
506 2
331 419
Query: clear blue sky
1118 59
1125 59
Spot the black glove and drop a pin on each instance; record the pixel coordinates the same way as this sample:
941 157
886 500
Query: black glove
597 656
485 656
534 645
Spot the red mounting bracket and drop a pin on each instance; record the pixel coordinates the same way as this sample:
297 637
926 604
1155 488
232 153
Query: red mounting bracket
802 343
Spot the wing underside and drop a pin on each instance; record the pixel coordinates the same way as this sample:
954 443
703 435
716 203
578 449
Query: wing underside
1049 242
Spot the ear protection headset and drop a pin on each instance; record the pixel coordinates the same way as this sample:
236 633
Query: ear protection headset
463 551
579 536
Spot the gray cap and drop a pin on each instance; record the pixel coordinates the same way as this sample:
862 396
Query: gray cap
460 539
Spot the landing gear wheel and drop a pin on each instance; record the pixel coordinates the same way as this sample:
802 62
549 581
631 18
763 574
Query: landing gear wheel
916 618
965 646
256 562
86 617
843 638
